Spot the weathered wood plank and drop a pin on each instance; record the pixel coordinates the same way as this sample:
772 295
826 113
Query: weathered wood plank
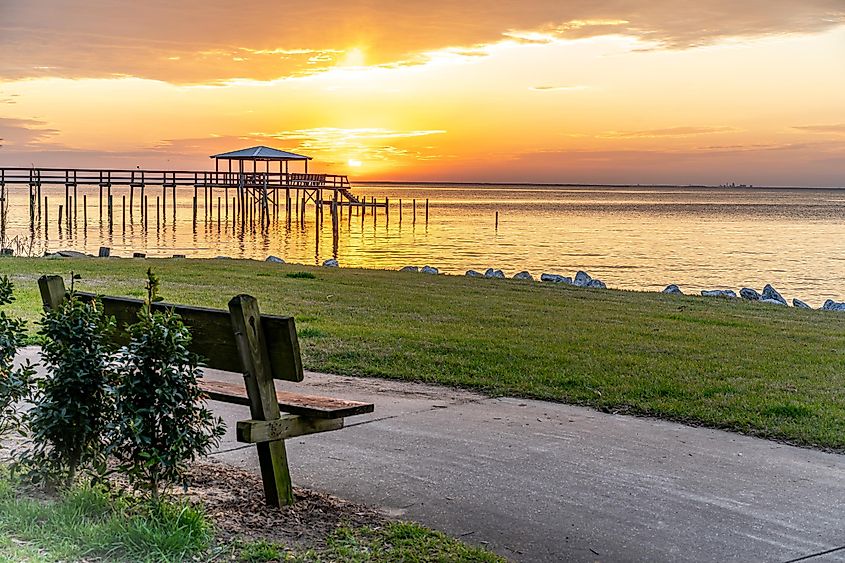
288 426
294 403
255 359
213 339
52 290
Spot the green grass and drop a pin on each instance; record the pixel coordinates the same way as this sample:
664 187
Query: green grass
91 523
396 542
748 367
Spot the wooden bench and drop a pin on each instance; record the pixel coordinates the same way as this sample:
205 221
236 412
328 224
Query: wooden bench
262 348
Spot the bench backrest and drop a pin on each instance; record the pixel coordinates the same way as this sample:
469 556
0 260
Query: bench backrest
211 329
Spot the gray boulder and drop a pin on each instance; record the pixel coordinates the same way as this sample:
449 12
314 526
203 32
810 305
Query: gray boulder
771 293
596 284
831 305
718 293
331 263
555 278
582 279
491 273
429 270
413 269
274 260
523 276
474 274
774 302
800 304
750 294
673 289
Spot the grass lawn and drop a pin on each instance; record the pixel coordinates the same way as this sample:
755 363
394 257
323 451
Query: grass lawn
750 367
90 524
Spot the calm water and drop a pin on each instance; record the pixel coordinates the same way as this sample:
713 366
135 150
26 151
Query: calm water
632 238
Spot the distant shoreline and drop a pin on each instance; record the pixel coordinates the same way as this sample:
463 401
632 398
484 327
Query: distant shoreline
577 185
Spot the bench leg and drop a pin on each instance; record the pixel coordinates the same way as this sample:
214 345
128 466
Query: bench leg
273 460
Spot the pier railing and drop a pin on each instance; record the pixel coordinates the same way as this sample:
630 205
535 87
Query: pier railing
169 178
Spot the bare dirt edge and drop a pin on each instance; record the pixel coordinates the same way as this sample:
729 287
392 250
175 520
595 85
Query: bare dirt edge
233 499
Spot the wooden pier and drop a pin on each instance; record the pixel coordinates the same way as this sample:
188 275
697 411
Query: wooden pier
247 198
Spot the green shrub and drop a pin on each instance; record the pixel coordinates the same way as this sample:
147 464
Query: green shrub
162 421
300 275
73 403
14 382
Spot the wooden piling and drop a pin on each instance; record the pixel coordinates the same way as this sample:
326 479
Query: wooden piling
84 209
158 214
497 220
426 210
414 204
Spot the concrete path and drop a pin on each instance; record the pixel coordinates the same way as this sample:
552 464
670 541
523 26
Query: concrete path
539 481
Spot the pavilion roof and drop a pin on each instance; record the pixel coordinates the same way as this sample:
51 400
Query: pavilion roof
260 153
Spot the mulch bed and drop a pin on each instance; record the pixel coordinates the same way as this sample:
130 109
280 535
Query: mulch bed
234 500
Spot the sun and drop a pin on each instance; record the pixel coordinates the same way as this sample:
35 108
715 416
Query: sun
355 57
354 163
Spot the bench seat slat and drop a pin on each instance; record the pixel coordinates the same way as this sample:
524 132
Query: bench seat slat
294 403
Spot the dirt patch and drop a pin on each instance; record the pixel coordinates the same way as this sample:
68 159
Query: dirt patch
234 500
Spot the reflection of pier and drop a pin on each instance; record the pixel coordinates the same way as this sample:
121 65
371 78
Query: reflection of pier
253 188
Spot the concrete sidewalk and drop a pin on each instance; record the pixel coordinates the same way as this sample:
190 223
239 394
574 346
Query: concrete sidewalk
540 481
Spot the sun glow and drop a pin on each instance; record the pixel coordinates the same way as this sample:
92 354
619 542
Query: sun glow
354 163
355 57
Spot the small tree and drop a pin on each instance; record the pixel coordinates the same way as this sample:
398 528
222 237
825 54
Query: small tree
162 422
73 402
14 382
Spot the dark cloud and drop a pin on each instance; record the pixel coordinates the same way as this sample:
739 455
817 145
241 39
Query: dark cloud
194 41
23 133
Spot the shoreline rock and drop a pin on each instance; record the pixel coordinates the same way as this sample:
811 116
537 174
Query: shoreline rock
413 269
331 263
523 275
491 273
749 294
831 305
718 293
429 270
800 304
474 274
771 293
672 289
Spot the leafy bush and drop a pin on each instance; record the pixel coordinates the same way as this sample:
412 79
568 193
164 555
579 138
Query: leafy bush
73 404
162 421
14 382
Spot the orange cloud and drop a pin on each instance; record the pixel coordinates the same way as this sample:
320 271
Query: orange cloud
208 41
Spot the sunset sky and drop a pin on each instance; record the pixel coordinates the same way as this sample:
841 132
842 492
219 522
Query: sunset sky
594 91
